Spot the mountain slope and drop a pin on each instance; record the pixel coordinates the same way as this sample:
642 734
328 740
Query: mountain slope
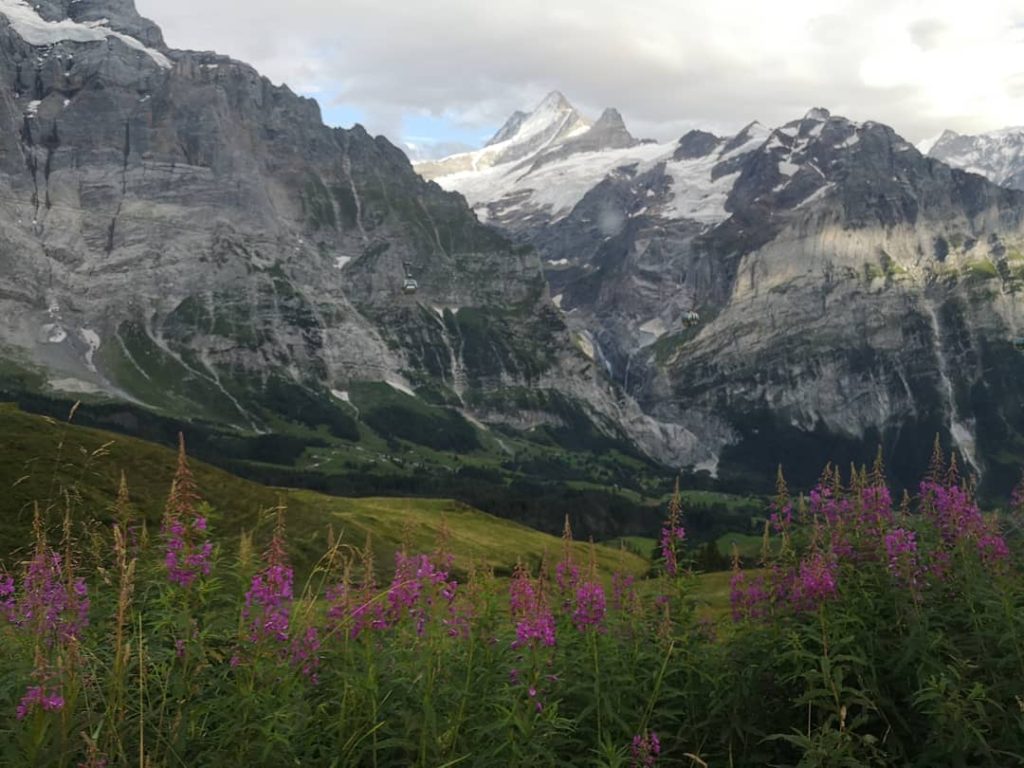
49 462
852 292
998 156
179 234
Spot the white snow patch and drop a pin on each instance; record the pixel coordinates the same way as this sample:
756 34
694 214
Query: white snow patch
556 187
54 334
709 465
35 30
401 386
341 261
655 327
92 342
32 109
557 301
559 263
816 196
343 396
786 168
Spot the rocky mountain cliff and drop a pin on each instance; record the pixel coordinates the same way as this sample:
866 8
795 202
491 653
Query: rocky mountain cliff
179 233
852 291
998 156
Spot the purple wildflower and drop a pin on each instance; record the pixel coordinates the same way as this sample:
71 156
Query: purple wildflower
268 604
416 588
814 583
305 654
53 605
671 537
749 596
993 549
187 552
567 577
644 750
534 621
781 518
590 607
624 595
901 551
40 697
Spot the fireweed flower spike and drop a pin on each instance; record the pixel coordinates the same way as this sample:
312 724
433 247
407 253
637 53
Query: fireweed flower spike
187 550
53 604
534 621
590 607
672 534
901 552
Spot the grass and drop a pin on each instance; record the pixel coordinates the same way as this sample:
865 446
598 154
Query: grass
60 465
747 545
981 269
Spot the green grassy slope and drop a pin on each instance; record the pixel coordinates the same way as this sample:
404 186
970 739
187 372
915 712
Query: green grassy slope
60 465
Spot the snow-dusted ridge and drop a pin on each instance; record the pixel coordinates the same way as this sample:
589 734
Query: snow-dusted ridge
556 176
35 30
996 155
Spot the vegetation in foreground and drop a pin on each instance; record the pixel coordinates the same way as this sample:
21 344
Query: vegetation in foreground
874 634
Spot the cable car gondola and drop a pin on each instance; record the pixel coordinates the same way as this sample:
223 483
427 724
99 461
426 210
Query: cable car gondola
691 319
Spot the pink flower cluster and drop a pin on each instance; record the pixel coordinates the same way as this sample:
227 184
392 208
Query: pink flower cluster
859 527
901 553
644 750
268 604
590 607
416 588
535 623
188 552
38 697
959 520
52 604
416 591
749 596
672 535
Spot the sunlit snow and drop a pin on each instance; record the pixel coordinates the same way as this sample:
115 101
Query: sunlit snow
35 30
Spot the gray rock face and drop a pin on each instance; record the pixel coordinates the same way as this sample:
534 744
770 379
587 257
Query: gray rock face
177 231
696 144
998 156
509 129
853 293
609 132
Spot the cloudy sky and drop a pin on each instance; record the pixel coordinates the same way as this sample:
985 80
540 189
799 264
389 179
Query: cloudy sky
444 73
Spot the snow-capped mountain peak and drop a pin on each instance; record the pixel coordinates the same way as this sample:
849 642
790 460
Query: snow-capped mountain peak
523 136
997 155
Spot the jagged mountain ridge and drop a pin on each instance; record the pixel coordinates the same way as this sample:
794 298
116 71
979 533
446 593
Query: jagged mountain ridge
853 291
179 233
552 123
998 155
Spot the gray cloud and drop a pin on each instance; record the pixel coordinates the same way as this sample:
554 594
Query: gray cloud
666 66
927 33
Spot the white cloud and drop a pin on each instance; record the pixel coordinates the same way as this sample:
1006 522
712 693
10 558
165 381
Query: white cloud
667 65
